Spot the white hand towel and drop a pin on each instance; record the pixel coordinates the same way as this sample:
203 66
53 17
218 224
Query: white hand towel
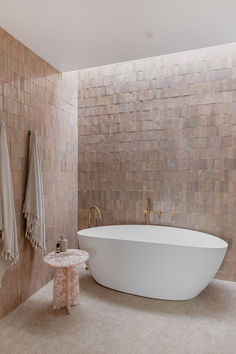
33 208
8 229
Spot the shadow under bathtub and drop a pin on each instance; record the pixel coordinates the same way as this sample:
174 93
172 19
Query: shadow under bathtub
212 302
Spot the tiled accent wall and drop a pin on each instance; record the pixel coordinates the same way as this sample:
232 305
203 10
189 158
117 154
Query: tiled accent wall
34 95
164 128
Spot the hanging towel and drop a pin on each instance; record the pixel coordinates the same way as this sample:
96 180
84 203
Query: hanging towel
8 229
33 208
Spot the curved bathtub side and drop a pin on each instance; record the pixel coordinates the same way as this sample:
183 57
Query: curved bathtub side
151 269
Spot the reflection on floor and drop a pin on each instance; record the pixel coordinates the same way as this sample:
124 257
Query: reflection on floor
108 322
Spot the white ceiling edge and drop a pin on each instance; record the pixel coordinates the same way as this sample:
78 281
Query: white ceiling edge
157 56
76 34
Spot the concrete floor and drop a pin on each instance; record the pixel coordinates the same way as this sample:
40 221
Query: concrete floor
110 322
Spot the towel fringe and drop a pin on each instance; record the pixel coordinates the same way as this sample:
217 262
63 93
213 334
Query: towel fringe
8 256
31 222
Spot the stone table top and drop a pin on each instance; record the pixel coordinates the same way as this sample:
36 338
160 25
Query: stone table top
70 258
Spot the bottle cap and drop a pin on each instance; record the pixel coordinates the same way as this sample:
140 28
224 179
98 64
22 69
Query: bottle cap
61 237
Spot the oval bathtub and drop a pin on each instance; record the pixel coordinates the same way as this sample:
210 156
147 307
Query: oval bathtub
153 261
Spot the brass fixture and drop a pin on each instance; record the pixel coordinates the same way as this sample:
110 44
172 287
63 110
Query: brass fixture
159 212
173 213
147 212
90 212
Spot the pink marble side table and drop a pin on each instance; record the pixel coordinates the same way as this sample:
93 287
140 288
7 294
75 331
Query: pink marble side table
66 280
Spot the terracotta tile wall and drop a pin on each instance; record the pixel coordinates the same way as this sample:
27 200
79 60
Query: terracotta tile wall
34 95
163 128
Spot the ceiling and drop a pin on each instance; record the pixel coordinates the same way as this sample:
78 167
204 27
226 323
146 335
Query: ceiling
76 34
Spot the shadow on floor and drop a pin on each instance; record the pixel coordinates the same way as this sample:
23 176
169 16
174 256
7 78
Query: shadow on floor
212 302
217 302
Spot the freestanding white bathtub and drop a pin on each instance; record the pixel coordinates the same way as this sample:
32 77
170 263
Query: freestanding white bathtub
153 261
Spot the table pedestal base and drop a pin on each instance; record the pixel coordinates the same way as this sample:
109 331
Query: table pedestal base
66 288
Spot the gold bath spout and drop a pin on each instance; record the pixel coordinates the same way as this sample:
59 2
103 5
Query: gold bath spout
147 212
90 212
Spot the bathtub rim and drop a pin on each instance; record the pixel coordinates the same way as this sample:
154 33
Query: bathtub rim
224 243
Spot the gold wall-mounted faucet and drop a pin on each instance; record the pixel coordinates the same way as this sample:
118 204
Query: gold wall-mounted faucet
147 212
90 213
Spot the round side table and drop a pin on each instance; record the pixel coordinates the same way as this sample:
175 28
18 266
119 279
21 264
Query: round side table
66 280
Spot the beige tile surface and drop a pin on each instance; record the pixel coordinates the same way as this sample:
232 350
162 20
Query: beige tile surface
162 128
34 95
107 322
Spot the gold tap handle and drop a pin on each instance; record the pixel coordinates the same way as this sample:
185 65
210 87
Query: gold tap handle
89 214
145 217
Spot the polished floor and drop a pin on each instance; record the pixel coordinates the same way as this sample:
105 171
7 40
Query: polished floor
110 322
